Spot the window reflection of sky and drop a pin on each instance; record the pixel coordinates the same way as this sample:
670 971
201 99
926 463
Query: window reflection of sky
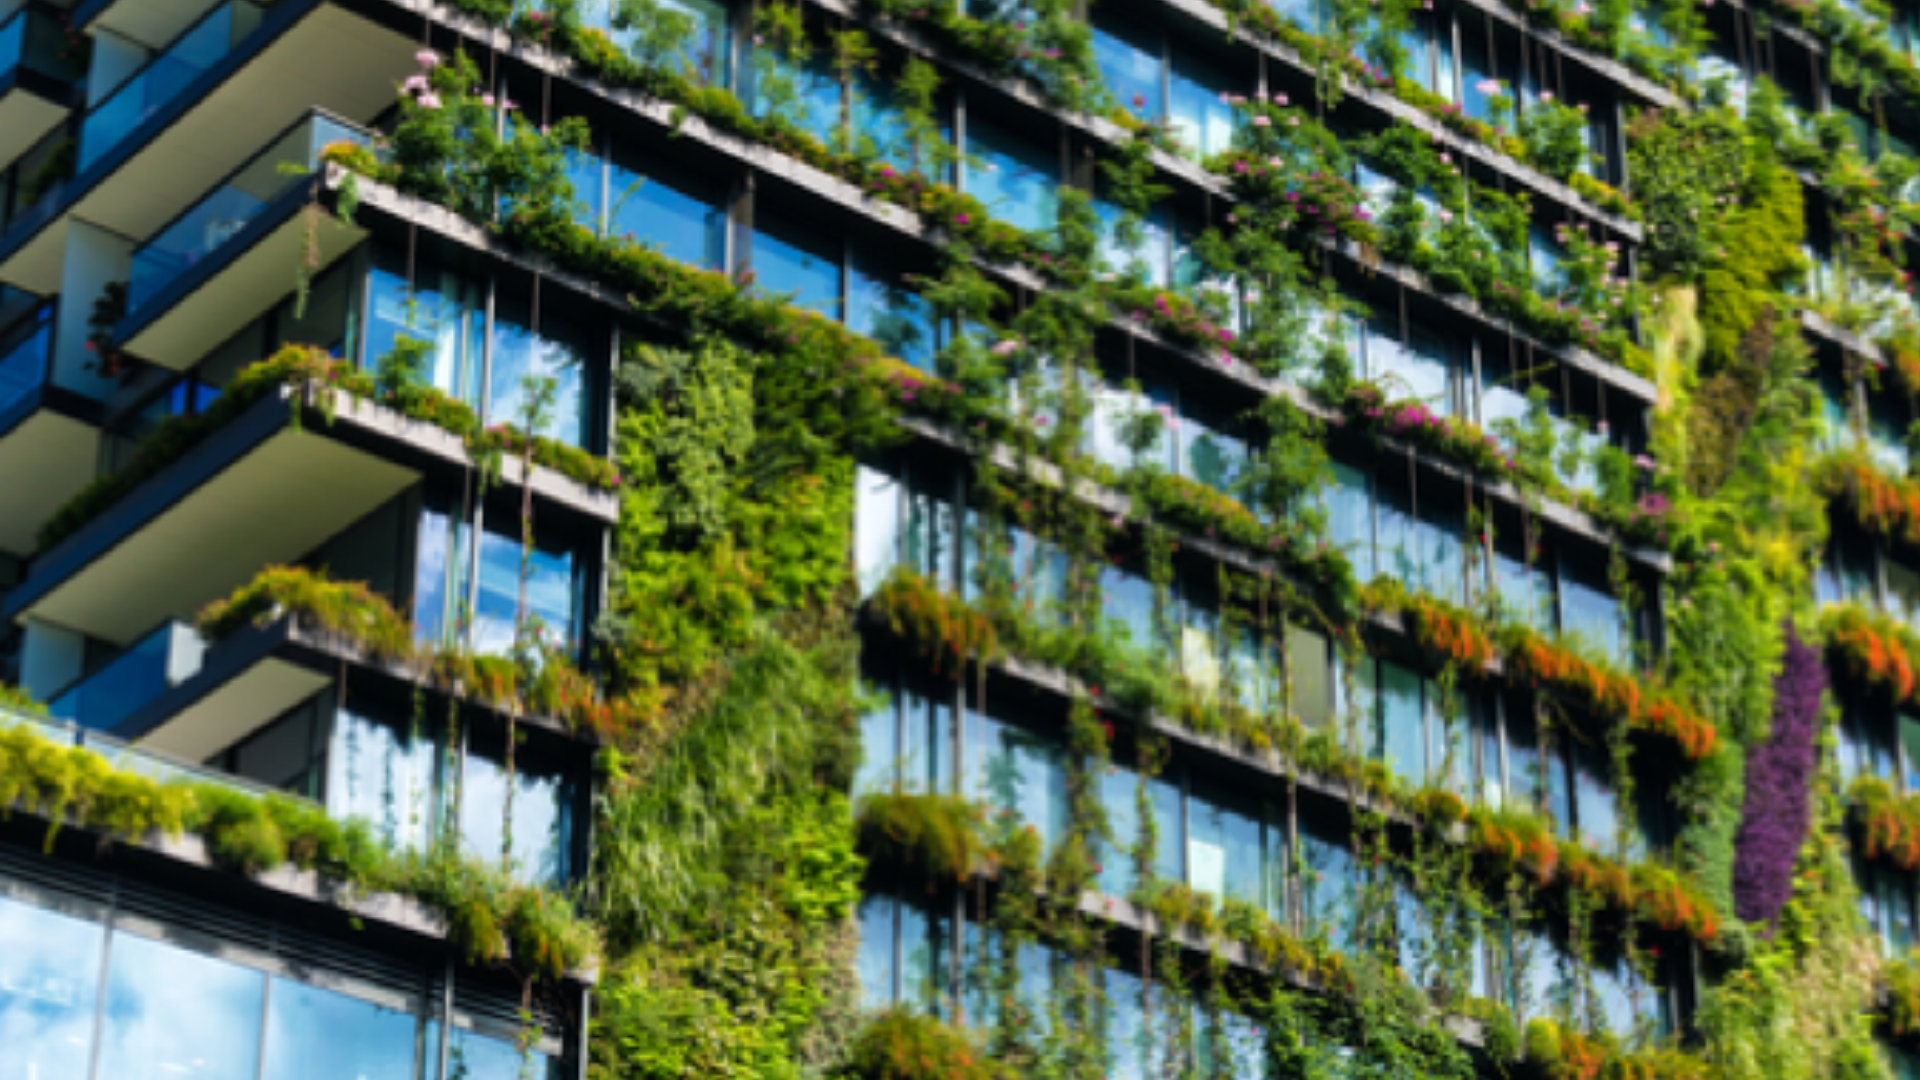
49 972
173 1014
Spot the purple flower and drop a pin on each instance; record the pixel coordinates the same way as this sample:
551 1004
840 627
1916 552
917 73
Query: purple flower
1774 819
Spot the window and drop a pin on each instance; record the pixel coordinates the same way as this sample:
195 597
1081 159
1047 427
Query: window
173 1012
441 308
805 93
1327 872
314 1034
524 821
904 953
1014 175
49 987
681 218
1589 612
561 351
496 621
386 775
881 305
906 743
802 262
1016 774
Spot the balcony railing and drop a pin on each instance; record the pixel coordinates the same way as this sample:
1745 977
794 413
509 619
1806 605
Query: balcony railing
147 763
235 201
151 88
150 667
33 40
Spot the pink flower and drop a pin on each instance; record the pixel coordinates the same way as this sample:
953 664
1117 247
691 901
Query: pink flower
427 58
1488 86
1279 99
487 100
415 84
1546 95
429 100
1007 347
1262 121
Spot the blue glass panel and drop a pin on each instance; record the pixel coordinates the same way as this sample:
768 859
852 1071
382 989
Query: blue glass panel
172 1013
24 356
807 94
207 225
587 172
1349 504
1128 1041
1119 795
879 123
1589 611
1595 804
1018 775
439 576
1170 845
1130 65
384 775
540 846
877 527
128 681
879 925
551 588
473 1056
1227 852
1126 601
521 356
787 260
164 77
442 309
1327 878
675 221
1201 121
315 1034
1402 719
1014 176
49 989
881 305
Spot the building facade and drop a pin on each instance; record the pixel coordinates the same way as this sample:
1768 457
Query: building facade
1324 487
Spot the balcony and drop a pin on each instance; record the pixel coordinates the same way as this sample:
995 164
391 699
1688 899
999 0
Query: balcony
148 90
40 65
162 659
143 760
48 436
232 81
267 486
227 257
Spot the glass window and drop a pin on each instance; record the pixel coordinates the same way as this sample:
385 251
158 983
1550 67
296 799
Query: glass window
525 823
1349 504
1327 875
879 123
1128 1042
876 527
802 263
49 989
587 172
552 594
1014 176
804 93
1910 750
1201 121
175 1014
441 309
882 306
1016 774
473 1056
385 775
1310 670
879 919
1227 852
1595 805
1589 611
1126 601
1170 848
559 352
1119 795
677 219
322 1035
439 568
1401 737
1417 369
1130 64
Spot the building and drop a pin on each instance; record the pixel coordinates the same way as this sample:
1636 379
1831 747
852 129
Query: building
1282 464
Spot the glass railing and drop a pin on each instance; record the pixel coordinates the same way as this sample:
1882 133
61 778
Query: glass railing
147 669
125 757
34 40
237 200
25 350
151 88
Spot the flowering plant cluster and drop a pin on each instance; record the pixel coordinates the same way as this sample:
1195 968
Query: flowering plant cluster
1884 505
1367 407
1780 775
1873 646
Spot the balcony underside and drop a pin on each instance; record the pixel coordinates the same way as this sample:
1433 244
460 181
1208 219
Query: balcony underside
210 302
135 191
25 115
45 458
257 492
246 682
